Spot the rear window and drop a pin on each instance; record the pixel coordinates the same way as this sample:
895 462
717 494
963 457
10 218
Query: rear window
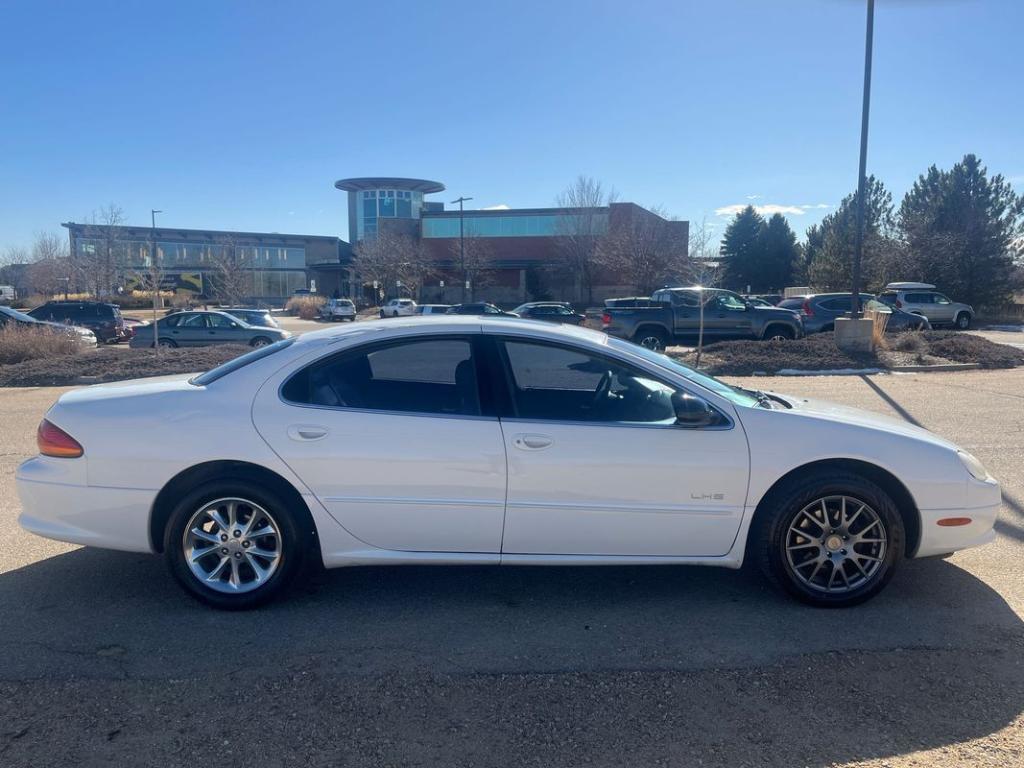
240 362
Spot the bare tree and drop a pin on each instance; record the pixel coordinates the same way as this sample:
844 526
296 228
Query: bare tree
580 231
704 271
51 270
646 249
392 261
101 264
232 268
473 262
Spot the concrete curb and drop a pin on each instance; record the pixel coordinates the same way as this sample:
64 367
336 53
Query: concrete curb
874 371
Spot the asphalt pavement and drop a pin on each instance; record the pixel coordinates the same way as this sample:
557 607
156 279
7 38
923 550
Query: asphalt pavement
103 660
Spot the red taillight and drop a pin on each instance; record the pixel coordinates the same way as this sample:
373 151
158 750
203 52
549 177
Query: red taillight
807 309
54 441
606 319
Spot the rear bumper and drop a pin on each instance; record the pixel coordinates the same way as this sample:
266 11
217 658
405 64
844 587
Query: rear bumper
111 518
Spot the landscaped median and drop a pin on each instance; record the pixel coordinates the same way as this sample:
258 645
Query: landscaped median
911 351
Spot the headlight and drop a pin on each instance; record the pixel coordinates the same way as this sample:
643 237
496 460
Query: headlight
975 467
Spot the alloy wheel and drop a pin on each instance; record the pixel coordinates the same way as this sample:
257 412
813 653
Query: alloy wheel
232 545
651 342
835 544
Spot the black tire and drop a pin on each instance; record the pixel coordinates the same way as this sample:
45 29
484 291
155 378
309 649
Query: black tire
651 337
768 540
294 542
260 341
778 333
963 321
168 343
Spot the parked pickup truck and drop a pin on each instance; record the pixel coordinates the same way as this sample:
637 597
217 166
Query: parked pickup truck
673 315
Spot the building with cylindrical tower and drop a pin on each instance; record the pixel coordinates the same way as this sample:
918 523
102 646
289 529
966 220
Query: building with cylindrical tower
374 198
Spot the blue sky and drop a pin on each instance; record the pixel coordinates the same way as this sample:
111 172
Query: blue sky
242 115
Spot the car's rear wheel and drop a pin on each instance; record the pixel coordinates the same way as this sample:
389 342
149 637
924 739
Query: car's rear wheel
652 338
778 333
260 341
832 540
167 343
233 544
963 321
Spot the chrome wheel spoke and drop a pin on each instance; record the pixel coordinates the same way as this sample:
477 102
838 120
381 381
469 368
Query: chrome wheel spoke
219 519
217 572
202 535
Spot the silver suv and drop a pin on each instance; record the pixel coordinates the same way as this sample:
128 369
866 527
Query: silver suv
923 299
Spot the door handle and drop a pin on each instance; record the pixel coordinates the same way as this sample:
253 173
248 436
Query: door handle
306 432
531 442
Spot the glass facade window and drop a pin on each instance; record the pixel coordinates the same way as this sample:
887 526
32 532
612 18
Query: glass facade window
271 284
273 257
374 204
525 225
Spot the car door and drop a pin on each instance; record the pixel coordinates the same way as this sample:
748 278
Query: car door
391 438
727 315
942 309
224 330
598 466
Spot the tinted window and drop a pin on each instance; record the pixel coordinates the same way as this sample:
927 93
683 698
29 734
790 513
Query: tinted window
421 376
192 321
938 298
561 384
919 298
836 305
219 321
730 302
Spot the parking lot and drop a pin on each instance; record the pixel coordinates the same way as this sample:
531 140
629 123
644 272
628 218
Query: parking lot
103 660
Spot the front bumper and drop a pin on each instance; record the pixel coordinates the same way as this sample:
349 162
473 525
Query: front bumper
57 504
984 499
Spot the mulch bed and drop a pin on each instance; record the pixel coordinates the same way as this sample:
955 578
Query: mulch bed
820 353
110 364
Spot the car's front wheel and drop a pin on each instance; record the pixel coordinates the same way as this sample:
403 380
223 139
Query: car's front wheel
963 321
778 333
830 540
233 545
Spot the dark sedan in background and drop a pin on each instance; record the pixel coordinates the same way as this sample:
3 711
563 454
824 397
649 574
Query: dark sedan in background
820 311
476 308
199 329
551 311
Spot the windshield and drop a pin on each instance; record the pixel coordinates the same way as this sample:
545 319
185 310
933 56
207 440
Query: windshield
239 362
18 315
733 394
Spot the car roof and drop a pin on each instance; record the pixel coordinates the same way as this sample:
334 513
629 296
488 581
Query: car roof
909 287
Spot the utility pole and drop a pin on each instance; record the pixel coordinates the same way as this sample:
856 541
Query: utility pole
462 245
861 180
154 271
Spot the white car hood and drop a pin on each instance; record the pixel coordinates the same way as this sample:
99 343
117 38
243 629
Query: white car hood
826 411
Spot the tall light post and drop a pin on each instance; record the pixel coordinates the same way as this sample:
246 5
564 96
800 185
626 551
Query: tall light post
861 179
154 272
462 243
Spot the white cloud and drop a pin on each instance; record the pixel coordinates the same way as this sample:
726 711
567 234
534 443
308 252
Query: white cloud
816 206
498 207
754 197
765 210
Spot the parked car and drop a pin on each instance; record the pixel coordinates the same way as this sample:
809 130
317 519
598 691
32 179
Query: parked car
551 311
83 336
432 309
477 308
338 309
397 307
258 317
492 441
923 299
102 319
7 293
200 329
629 301
819 312
757 301
673 315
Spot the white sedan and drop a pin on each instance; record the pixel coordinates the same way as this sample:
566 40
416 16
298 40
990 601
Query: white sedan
470 440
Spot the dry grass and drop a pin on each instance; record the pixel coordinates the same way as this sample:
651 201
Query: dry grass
306 307
879 320
19 343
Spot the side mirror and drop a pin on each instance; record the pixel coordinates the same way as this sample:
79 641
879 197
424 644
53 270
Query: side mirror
693 412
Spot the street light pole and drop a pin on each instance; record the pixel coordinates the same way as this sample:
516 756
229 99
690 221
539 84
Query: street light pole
861 179
154 272
462 243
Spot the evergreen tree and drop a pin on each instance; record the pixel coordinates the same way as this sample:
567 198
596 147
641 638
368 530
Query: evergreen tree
779 257
742 249
830 254
963 232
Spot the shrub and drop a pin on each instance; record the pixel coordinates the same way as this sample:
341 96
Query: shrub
306 307
19 343
908 341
